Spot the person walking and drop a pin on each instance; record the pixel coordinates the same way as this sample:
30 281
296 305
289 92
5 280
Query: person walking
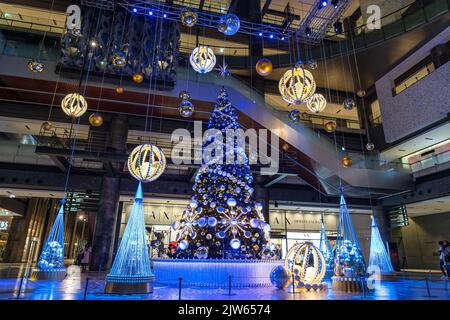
86 257
441 259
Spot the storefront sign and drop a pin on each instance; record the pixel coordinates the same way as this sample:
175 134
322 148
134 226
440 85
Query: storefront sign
301 221
159 214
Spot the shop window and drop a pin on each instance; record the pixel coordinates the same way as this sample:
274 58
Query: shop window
413 75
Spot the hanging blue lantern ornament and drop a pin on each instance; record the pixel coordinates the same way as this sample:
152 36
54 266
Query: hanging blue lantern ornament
229 24
186 108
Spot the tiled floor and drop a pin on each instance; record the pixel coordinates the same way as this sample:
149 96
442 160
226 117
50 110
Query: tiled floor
73 288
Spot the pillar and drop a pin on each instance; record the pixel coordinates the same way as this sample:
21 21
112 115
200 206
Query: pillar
262 196
16 239
106 219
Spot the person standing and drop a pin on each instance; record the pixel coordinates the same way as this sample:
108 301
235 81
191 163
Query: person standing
447 257
86 257
441 259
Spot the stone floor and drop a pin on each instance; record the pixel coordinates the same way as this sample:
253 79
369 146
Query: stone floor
407 287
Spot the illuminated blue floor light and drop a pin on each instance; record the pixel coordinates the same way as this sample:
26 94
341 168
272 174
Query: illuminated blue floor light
131 271
378 254
51 261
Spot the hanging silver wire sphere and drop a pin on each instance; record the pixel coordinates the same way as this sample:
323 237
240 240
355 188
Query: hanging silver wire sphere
297 86
202 59
146 163
74 105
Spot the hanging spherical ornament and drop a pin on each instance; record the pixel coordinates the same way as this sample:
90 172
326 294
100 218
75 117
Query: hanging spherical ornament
297 86
285 147
185 95
202 59
119 90
74 105
317 103
361 93
35 66
208 236
46 126
146 162
306 263
280 277
295 115
229 24
235 244
138 77
370 146
347 161
330 126
186 109
349 104
264 67
96 119
188 17
119 60
312 64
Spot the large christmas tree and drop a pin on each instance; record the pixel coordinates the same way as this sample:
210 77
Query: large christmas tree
222 220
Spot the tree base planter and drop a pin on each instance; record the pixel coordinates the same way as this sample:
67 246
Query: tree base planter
347 284
129 288
37 274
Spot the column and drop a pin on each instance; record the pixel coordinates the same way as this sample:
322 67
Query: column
262 196
106 219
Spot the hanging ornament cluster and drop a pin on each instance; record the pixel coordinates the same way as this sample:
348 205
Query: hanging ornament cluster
96 119
229 24
188 17
317 103
35 66
146 163
349 261
349 104
186 108
74 105
297 85
264 67
202 59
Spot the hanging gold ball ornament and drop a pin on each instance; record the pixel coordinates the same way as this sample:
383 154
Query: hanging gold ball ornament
202 59
96 119
74 105
264 67
317 103
330 126
119 90
361 93
285 147
297 85
35 66
146 163
46 126
347 161
138 77
188 17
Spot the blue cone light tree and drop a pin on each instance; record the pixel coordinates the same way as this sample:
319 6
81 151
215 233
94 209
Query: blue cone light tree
131 272
51 261
325 248
349 264
379 256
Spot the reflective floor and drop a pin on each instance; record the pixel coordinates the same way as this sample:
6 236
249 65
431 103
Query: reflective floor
90 286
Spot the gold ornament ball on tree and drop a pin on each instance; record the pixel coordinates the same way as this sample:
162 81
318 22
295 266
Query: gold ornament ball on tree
96 119
138 77
264 67
74 105
347 161
146 163
330 126
119 90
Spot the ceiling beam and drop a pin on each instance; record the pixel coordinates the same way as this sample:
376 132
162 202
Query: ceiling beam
265 8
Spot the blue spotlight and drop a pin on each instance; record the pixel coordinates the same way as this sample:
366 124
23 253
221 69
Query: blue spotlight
282 38
323 4
150 13
165 15
260 34
271 36
134 10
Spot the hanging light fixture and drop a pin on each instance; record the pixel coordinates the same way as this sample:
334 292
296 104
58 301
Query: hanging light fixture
186 108
188 17
297 85
96 119
317 103
74 105
146 163
202 59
